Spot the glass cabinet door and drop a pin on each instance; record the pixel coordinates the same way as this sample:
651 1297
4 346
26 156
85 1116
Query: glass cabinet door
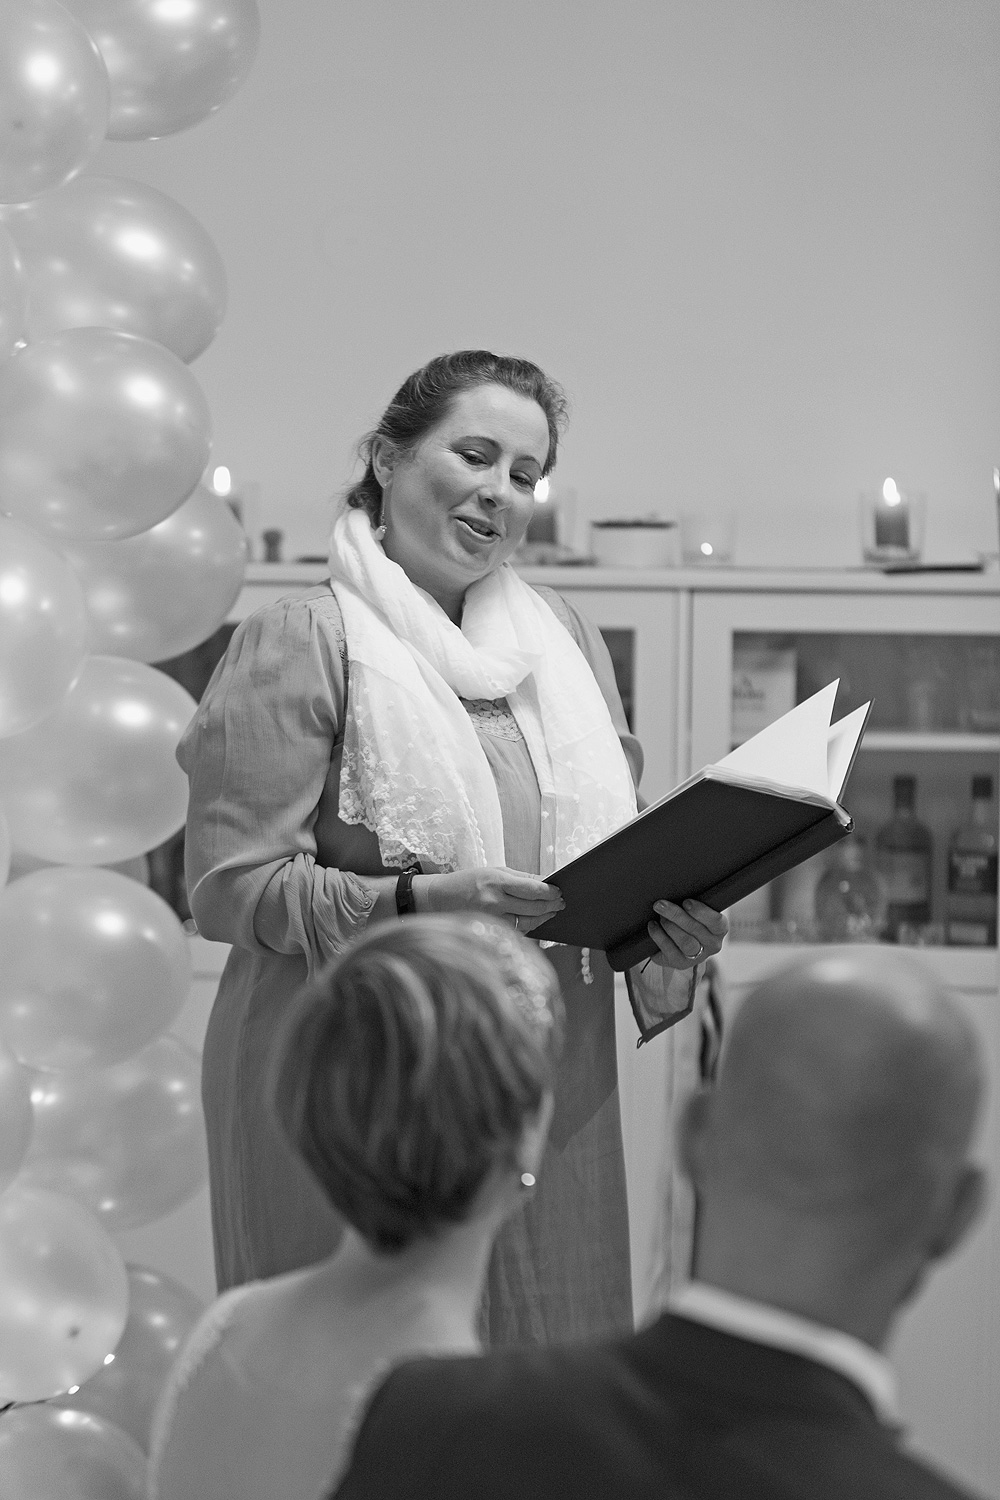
640 631
921 867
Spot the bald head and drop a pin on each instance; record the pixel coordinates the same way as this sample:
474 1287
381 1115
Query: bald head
831 1159
849 1082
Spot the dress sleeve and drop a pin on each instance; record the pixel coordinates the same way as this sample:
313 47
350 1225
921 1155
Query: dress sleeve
257 756
659 997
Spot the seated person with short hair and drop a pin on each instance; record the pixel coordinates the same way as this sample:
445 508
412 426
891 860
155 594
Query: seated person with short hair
831 1164
414 1077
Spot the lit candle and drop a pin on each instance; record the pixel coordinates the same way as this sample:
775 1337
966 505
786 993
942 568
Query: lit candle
892 518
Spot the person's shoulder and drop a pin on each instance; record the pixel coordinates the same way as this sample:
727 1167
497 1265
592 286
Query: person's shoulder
515 1388
559 606
826 1460
293 622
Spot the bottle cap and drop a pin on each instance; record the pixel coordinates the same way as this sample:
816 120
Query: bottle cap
982 788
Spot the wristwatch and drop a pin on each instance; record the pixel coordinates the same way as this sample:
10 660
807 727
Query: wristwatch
405 903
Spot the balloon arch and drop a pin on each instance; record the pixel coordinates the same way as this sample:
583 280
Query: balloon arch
112 557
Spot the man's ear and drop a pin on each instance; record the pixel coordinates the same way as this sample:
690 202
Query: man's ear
692 1136
383 456
967 1203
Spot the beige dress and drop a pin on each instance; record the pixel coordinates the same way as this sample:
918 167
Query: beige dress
273 870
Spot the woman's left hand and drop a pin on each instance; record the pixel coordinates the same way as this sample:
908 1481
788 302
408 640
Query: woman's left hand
686 935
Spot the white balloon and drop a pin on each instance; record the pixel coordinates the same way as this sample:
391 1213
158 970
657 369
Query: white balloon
98 780
54 98
63 1295
16 1116
171 62
43 627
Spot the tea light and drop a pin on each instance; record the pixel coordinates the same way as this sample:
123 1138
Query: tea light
892 518
708 536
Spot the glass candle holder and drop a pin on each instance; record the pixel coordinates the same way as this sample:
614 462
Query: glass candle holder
708 537
892 524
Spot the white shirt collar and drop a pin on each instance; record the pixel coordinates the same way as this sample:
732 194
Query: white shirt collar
763 1324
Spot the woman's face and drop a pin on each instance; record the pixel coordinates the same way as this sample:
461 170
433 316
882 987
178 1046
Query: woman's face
457 507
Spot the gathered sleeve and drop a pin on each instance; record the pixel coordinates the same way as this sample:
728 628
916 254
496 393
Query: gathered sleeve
257 755
659 996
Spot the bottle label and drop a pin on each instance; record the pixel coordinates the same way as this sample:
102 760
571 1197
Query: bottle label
972 873
907 876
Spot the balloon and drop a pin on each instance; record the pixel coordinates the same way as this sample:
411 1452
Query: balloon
5 849
63 1295
102 434
127 1142
16 1117
161 1314
98 780
13 309
43 627
110 253
156 595
93 966
50 1454
54 98
170 64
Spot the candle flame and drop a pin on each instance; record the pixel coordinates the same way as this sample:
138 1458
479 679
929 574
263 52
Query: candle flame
890 493
222 480
542 489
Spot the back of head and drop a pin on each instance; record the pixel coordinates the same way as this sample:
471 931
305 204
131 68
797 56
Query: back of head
836 1141
409 1070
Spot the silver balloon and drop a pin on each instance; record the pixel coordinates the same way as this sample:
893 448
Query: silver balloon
47 1453
94 966
98 780
43 627
156 595
127 1142
102 434
109 253
54 98
171 62
63 1295
161 1314
13 297
16 1116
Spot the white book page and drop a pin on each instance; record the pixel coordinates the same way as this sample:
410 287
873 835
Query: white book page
840 746
793 750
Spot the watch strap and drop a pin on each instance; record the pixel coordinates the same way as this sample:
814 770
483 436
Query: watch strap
405 903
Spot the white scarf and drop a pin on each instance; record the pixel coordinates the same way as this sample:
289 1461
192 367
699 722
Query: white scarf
413 770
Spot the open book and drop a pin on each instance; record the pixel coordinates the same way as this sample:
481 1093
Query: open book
768 806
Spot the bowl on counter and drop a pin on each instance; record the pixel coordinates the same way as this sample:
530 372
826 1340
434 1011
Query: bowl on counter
642 542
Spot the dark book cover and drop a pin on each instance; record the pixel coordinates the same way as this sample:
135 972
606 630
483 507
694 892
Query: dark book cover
715 840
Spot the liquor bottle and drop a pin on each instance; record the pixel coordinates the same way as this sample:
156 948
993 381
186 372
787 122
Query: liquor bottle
971 905
850 897
904 859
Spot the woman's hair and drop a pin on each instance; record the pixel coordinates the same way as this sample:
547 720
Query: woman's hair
409 1069
425 399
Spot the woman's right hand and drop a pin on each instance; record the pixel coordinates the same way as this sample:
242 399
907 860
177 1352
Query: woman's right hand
525 901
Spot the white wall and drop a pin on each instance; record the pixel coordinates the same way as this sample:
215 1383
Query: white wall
759 241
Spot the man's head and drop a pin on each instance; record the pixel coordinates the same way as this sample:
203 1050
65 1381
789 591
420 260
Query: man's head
831 1160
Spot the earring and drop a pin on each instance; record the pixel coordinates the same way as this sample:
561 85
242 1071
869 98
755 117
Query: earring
380 532
527 1181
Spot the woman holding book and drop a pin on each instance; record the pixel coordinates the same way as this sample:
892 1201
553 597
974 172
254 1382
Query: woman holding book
424 733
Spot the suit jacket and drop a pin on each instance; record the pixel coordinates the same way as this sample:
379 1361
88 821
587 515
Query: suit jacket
680 1412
